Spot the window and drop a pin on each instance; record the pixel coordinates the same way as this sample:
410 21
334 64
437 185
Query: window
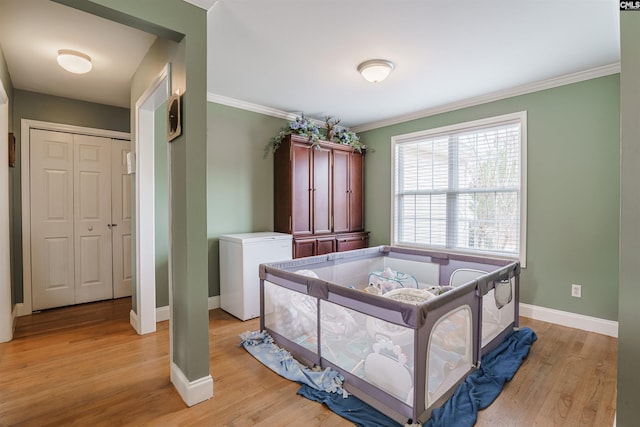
462 187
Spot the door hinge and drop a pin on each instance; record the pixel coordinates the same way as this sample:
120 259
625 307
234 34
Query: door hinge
289 223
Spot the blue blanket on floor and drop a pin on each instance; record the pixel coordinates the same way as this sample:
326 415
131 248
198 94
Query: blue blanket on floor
279 360
477 391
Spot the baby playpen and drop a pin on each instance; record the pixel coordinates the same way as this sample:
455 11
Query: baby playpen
403 326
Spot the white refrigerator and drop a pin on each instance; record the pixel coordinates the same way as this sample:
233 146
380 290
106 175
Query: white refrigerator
240 256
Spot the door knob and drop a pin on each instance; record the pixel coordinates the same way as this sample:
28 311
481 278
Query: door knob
90 228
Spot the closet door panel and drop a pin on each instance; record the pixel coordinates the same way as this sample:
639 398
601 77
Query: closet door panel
121 216
52 246
92 218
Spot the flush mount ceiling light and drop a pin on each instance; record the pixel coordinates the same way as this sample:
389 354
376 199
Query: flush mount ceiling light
375 70
74 61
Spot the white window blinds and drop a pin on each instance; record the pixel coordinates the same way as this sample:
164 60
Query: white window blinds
460 187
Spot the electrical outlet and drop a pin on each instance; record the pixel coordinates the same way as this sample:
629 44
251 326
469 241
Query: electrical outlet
576 291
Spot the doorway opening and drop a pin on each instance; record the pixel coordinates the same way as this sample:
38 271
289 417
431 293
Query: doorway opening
26 175
143 313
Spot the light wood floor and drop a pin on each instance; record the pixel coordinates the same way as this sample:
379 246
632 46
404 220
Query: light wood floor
85 366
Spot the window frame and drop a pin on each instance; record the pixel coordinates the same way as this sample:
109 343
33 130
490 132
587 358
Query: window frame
517 117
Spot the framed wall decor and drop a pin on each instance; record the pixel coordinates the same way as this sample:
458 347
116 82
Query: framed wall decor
174 117
12 150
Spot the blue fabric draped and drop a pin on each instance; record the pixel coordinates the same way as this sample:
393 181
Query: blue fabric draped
351 408
483 385
475 393
279 360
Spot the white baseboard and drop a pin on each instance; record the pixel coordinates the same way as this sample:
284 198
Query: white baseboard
134 321
14 320
192 392
162 313
572 320
214 302
8 326
21 311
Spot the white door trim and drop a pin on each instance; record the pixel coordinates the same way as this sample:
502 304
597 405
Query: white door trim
25 143
157 93
6 312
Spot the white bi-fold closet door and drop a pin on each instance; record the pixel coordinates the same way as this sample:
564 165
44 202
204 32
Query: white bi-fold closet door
80 218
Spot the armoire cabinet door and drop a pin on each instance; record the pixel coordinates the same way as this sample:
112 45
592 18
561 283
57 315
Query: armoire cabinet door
356 192
340 191
304 247
349 242
312 246
321 207
325 245
348 190
302 185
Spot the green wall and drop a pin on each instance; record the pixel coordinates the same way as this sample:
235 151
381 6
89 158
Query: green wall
629 315
239 179
47 108
572 217
37 106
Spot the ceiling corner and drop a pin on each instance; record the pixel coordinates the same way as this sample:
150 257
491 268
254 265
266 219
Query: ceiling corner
204 4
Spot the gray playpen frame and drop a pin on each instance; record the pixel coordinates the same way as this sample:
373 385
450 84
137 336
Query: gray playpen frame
421 318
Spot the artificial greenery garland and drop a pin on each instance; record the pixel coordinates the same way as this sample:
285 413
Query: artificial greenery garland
304 126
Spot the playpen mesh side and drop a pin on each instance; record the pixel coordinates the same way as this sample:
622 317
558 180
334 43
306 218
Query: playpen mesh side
379 352
494 318
291 314
449 354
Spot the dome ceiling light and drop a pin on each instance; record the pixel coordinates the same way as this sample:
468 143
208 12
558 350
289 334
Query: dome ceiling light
74 61
375 70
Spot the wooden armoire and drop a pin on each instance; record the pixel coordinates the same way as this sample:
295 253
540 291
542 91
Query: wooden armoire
319 196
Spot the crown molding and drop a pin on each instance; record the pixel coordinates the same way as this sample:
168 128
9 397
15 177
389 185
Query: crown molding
256 108
244 105
580 76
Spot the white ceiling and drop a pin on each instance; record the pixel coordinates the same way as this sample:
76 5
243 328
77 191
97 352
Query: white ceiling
32 32
302 55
